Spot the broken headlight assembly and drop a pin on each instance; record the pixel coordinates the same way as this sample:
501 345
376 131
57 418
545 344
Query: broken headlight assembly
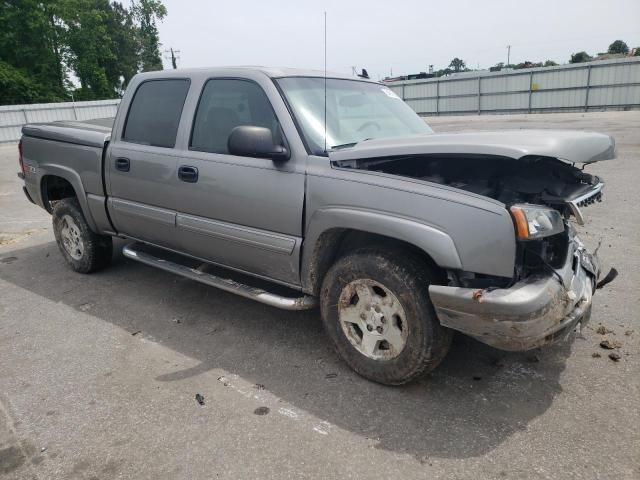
534 221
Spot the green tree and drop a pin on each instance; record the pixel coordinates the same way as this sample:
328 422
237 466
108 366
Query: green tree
580 57
527 64
636 52
90 47
618 47
109 44
30 42
147 13
549 63
125 44
16 87
457 64
101 43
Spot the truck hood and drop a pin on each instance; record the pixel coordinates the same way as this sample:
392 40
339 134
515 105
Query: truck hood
569 145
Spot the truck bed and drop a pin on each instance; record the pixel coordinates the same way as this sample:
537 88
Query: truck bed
93 133
68 154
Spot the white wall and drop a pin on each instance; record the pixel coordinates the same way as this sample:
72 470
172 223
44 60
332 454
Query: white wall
13 117
599 85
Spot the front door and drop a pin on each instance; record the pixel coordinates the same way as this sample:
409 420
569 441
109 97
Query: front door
237 211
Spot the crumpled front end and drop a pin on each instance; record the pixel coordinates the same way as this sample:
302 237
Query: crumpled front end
537 310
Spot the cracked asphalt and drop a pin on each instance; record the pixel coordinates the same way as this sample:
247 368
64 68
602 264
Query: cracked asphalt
99 373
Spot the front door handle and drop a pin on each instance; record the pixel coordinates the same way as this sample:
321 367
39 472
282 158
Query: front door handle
188 174
123 164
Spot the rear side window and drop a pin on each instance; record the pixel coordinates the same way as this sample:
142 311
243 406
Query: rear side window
155 112
226 104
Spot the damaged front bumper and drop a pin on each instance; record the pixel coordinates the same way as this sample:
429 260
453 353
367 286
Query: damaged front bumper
535 311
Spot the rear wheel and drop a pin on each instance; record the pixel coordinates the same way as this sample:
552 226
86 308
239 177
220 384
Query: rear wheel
376 309
84 250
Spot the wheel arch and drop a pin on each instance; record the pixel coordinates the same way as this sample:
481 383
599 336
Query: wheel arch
57 183
331 234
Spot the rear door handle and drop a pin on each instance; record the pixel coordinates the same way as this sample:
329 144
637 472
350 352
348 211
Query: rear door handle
188 174
123 164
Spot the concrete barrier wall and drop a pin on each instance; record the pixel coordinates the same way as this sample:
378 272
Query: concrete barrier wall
13 117
593 86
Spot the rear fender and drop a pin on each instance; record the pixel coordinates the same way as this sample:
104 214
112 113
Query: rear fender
74 179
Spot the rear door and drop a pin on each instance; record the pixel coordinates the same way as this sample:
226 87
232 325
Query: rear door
141 164
241 212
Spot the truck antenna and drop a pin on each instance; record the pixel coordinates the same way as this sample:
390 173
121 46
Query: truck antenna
325 82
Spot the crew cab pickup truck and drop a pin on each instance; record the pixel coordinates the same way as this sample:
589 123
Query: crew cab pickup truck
333 191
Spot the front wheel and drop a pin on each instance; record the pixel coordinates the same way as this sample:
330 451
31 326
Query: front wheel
376 309
84 250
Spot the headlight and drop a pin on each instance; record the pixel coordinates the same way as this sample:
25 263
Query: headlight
532 221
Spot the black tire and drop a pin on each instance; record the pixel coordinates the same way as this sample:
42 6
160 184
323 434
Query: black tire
406 277
96 250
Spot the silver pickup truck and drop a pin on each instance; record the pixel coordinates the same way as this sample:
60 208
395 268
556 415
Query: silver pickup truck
332 192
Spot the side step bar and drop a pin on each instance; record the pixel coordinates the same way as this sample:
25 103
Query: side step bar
287 303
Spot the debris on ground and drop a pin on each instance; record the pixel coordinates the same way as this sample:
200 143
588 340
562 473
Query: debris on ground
628 332
85 307
609 345
136 332
199 399
533 359
496 362
614 356
8 260
477 295
596 355
177 320
477 377
602 330
608 278
261 411
11 238
331 375
258 386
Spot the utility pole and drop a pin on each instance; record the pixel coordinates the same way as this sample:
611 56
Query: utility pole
174 56
508 55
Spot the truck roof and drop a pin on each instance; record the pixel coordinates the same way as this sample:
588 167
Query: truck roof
272 72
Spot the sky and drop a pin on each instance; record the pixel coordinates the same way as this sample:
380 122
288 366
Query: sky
399 37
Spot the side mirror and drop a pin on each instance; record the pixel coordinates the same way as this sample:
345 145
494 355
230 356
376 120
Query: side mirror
250 141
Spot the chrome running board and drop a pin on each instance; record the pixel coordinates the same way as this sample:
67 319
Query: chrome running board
305 302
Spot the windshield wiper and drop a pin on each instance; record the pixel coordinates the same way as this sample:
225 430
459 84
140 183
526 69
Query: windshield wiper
343 145
347 145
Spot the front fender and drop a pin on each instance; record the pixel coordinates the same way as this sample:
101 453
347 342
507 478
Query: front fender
436 243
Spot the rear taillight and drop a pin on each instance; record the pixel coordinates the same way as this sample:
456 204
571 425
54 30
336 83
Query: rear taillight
20 160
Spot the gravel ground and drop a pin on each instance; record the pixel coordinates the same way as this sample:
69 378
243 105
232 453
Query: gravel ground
98 373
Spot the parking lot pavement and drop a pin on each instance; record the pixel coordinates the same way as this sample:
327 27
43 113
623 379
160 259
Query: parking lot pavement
99 373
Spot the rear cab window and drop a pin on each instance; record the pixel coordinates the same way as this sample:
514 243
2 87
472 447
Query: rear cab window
155 111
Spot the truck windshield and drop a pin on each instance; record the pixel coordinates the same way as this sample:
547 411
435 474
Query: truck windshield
355 111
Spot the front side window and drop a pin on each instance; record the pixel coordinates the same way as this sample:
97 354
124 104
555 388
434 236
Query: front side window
226 104
154 114
355 111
